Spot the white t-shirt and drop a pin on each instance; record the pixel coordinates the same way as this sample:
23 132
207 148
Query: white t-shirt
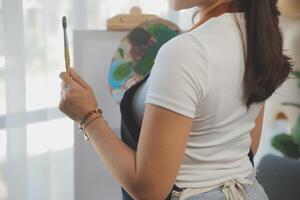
199 74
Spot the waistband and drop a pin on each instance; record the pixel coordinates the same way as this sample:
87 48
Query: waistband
232 188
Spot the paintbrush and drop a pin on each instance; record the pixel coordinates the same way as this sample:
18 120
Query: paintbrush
66 44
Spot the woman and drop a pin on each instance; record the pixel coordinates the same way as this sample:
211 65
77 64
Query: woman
203 108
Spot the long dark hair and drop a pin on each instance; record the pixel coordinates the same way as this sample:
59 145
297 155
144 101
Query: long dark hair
266 67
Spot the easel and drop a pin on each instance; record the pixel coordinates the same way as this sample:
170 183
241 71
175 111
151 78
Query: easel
125 22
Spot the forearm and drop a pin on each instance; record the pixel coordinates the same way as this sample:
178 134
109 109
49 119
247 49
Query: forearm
116 155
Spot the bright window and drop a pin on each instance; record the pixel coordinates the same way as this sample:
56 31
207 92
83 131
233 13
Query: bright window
3 188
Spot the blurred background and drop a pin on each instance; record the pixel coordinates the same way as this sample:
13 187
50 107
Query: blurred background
36 140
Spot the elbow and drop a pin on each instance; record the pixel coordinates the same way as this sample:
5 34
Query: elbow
153 192
253 152
150 196
254 148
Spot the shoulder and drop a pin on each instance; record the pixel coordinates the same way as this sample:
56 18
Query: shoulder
200 37
183 62
183 48
216 32
184 40
203 40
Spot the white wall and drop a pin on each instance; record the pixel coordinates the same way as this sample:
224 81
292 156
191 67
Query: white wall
93 51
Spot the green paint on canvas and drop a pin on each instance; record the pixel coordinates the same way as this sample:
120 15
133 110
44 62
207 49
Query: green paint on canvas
122 71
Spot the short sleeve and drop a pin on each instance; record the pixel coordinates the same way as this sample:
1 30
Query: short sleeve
178 79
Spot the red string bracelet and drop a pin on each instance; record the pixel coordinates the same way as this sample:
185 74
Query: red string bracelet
86 116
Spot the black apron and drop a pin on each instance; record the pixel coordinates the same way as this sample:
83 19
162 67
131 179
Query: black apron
130 129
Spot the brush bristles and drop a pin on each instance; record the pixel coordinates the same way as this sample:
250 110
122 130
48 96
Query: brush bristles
64 22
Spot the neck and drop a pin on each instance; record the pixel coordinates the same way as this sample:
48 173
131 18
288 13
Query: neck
213 9
205 9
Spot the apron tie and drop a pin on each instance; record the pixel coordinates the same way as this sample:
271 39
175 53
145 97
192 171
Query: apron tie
232 189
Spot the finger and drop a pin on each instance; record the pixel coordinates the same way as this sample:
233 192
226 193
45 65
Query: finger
66 78
64 85
61 107
64 109
78 79
63 95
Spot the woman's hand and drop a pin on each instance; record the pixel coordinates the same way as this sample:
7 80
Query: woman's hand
77 96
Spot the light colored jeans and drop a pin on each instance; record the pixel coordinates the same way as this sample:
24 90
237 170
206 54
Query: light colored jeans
253 192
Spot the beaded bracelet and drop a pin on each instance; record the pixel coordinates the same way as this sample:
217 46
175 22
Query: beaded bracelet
89 122
83 121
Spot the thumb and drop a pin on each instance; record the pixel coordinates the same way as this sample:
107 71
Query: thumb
76 77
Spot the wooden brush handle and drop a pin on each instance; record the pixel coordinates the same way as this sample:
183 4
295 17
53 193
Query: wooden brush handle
67 60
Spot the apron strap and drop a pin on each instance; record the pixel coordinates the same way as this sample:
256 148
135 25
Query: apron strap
232 189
